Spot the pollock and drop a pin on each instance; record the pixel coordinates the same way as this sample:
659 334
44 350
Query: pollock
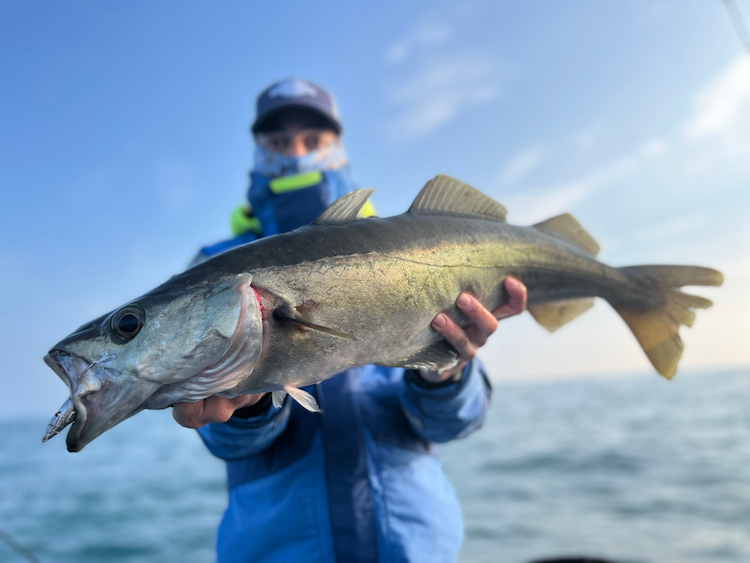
291 310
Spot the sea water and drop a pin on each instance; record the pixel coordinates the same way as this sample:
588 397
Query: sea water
634 469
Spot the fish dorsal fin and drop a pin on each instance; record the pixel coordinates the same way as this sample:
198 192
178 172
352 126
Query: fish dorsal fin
555 314
444 195
344 209
566 227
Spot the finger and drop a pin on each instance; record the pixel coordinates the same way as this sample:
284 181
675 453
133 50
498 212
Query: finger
188 415
246 400
455 335
483 322
516 303
217 409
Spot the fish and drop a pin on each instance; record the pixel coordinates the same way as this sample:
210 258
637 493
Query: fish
291 310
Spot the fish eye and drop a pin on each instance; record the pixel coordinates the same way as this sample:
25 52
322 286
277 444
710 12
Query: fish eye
127 322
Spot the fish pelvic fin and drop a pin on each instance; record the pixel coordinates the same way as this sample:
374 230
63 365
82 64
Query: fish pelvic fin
304 398
567 228
447 196
277 398
657 331
556 314
349 207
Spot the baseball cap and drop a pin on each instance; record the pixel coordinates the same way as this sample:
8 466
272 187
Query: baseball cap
295 93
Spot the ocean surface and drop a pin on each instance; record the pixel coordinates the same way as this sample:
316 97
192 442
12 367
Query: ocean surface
634 469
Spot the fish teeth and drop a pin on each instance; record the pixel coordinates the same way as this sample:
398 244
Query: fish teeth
64 416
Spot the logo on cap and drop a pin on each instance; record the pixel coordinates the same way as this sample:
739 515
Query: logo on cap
294 88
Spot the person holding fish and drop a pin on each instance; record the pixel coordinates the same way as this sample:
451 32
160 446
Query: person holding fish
323 362
357 481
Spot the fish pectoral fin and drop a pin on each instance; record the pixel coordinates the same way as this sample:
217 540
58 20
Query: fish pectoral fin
555 314
449 197
437 356
287 313
304 398
277 398
567 228
345 209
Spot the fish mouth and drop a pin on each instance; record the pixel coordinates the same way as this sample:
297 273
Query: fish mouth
74 371
95 404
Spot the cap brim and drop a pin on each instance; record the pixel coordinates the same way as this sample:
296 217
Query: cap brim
260 121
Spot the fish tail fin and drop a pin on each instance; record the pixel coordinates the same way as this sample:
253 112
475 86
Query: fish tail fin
657 331
677 276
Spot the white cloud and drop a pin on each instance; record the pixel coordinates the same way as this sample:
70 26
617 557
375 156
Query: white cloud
653 148
531 206
671 228
519 166
424 34
720 117
541 203
613 172
714 140
717 132
436 79
718 105
440 91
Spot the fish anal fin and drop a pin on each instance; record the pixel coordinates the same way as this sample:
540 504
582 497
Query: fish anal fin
437 356
304 398
344 209
566 227
287 313
447 196
555 314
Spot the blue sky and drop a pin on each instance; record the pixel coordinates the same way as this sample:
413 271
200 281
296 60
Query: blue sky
125 146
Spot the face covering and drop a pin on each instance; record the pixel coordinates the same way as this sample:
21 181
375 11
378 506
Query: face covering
273 165
289 192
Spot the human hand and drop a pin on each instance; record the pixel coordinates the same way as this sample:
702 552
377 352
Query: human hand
211 409
467 341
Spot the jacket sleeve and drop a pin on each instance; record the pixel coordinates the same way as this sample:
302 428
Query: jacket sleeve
242 437
439 413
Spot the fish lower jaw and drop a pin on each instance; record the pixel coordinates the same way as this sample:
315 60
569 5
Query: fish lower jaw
65 415
73 440
84 379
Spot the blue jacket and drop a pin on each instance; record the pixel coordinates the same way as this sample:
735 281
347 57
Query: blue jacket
283 210
359 482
